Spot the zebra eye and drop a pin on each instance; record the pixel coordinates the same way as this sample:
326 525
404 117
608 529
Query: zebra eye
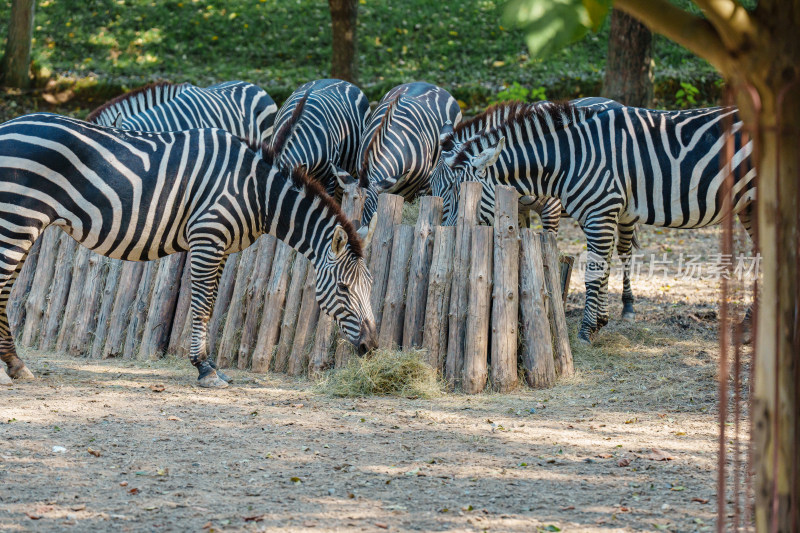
344 288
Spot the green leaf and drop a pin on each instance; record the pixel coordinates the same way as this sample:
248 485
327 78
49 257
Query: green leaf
598 11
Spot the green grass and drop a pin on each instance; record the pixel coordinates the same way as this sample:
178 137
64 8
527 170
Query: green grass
280 44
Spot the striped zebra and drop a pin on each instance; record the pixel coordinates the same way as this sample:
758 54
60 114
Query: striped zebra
615 168
238 107
140 196
319 127
400 145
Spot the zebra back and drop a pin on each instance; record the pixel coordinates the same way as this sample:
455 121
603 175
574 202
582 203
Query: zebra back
135 102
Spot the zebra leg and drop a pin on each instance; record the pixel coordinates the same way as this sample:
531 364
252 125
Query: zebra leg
206 266
8 353
599 240
624 248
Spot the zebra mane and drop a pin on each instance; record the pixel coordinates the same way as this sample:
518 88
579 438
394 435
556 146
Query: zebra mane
560 113
302 181
281 137
376 137
153 88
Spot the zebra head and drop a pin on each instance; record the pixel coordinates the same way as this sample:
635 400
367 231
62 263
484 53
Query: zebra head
445 181
344 286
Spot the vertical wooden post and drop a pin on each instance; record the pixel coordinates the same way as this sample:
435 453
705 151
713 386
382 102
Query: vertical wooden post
273 307
15 309
74 298
129 279
430 216
389 213
256 293
469 199
86 316
306 323
104 316
567 263
321 356
291 313
391 331
36 304
139 308
231 331
223 302
537 344
160 315
505 300
479 305
558 322
434 338
182 307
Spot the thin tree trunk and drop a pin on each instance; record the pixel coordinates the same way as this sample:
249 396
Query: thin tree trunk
505 299
182 307
36 304
391 331
256 294
129 278
139 309
434 338
389 214
22 287
160 315
86 318
629 67
231 332
291 312
62 281
220 310
17 59
74 300
558 321
306 323
273 308
106 307
537 343
344 15
476 345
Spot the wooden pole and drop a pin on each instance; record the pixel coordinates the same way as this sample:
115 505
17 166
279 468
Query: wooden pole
537 343
86 316
291 312
505 300
74 299
558 322
389 213
255 297
19 292
479 305
391 331
434 338
430 216
321 356
160 316
139 309
469 199
306 323
567 263
59 292
222 303
273 308
36 304
182 307
106 307
129 278
231 331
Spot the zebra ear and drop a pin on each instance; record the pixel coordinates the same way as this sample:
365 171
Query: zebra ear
342 176
339 241
489 156
446 137
118 121
366 232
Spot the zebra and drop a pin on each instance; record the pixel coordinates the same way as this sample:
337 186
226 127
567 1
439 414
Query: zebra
400 145
241 108
139 196
319 127
615 168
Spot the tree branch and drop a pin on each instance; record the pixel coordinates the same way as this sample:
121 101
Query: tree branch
695 33
731 20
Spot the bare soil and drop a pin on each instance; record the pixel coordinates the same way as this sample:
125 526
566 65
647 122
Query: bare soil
275 454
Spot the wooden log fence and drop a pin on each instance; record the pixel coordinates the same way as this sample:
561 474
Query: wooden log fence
484 303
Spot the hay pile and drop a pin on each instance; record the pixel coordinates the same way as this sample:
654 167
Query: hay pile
384 373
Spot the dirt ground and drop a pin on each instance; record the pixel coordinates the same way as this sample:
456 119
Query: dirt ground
628 444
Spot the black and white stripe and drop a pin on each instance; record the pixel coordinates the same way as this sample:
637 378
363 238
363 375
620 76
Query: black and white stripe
400 145
614 169
139 196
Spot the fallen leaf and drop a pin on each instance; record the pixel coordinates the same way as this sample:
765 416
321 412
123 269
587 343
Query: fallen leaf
624 461
570 508
123 483
33 516
256 518
604 455
624 510
381 525
174 418
157 387
133 491
80 507
658 455
208 525
296 480
94 452
700 500
679 488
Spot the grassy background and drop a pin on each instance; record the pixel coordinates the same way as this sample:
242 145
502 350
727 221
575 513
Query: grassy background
279 44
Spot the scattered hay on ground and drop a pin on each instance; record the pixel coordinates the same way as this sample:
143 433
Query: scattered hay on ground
384 373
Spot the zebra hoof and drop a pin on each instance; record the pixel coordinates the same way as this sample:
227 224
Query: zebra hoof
21 373
628 316
602 321
584 339
4 379
223 376
211 381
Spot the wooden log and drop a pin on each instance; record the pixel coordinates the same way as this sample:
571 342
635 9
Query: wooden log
469 199
391 330
74 299
389 213
139 309
558 321
255 295
476 344
232 330
306 324
36 304
59 292
321 357
273 307
567 263
182 307
104 315
160 315
80 342
434 338
505 298
294 297
15 309
430 216
224 293
129 278
537 343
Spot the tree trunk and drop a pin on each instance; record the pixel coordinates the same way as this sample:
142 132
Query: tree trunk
537 344
291 312
129 278
344 15
74 299
505 299
22 286
17 59
222 303
161 312
139 308
104 315
558 321
476 345
389 214
391 331
182 308
59 293
231 332
86 318
256 294
273 307
629 67
36 304
306 322
434 338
